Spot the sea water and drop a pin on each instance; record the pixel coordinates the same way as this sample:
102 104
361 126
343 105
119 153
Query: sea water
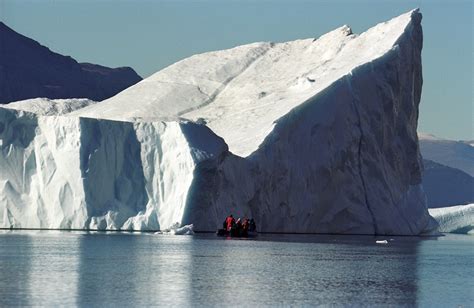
51 268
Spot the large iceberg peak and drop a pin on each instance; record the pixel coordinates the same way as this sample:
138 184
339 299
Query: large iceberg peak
242 91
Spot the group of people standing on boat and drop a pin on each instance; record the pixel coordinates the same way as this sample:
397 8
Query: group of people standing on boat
239 227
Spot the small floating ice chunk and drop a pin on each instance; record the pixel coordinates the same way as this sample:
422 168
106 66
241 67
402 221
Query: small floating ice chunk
175 229
185 230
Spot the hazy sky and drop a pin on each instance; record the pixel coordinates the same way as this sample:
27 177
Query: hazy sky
150 35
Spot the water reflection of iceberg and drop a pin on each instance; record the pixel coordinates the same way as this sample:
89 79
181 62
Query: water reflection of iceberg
15 268
117 269
305 270
133 269
38 268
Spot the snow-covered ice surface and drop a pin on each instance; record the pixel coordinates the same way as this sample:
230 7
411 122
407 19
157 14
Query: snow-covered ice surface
241 92
315 135
455 219
48 107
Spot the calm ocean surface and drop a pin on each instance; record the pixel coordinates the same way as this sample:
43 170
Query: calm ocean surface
50 268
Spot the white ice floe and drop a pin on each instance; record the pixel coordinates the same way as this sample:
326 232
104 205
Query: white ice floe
175 229
455 219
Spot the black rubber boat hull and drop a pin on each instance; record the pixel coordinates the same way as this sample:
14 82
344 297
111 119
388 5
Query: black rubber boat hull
225 233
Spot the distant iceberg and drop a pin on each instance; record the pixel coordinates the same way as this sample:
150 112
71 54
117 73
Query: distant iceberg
455 219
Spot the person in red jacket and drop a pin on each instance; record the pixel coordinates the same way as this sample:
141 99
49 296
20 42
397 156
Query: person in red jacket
230 221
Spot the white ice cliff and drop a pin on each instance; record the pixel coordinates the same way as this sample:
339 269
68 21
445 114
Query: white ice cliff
315 135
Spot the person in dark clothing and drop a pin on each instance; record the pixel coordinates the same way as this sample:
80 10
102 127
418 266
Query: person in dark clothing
252 225
238 227
245 227
245 223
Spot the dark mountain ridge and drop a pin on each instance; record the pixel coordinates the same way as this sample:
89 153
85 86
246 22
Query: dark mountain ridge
445 186
29 69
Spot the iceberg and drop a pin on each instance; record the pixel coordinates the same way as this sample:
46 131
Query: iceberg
455 219
309 136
